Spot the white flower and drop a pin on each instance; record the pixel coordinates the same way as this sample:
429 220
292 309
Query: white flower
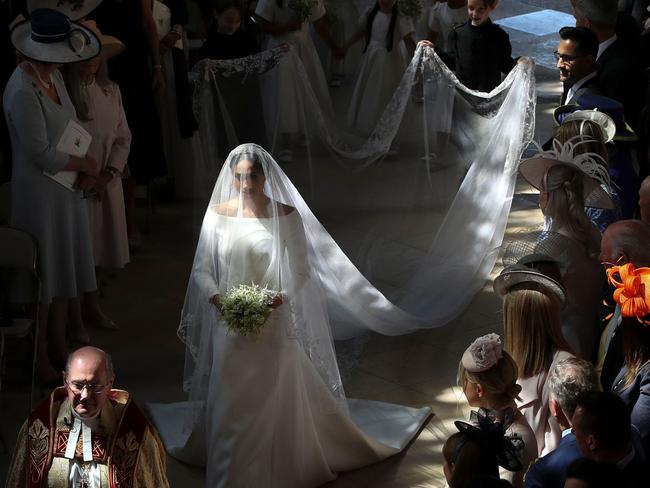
483 353
245 308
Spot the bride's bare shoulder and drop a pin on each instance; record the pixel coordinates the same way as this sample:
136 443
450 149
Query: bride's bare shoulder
227 209
285 209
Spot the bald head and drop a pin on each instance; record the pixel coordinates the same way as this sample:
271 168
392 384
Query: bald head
626 241
89 356
88 380
644 200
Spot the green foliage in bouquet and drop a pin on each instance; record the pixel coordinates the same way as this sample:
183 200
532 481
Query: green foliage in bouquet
410 8
302 7
245 308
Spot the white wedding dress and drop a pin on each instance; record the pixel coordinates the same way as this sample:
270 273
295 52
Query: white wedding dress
269 410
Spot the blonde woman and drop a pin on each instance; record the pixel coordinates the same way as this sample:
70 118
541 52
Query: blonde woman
532 300
568 179
591 131
488 376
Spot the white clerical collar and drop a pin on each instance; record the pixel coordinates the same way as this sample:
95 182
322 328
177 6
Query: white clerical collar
576 86
84 430
605 44
622 464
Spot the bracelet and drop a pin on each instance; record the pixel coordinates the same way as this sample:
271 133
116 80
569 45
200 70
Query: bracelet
157 66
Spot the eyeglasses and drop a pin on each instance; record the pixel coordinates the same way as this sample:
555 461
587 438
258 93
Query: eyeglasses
78 386
567 58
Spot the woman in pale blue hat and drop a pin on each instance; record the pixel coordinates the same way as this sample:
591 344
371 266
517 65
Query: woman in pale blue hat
38 110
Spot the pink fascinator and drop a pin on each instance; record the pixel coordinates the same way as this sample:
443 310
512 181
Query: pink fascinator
483 353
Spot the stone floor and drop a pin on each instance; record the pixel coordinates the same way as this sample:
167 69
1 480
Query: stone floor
418 369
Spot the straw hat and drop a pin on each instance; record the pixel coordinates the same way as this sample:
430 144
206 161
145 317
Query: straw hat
533 271
50 37
73 9
111 46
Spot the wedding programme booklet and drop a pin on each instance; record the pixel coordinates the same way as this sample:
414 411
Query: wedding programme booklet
75 141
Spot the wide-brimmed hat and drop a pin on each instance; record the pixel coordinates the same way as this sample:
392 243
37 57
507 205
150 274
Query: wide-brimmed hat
534 271
73 9
50 37
613 109
591 167
111 46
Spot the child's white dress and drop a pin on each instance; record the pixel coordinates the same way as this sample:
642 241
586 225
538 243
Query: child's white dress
380 73
280 86
444 19
344 27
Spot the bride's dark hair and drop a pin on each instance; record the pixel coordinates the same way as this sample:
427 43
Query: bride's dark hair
250 156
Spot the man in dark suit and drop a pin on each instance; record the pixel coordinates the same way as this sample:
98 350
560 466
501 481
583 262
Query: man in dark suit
569 379
602 427
576 60
620 72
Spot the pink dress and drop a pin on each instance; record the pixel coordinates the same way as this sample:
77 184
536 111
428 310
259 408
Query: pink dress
109 147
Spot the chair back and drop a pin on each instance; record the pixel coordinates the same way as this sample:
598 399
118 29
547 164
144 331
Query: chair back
17 249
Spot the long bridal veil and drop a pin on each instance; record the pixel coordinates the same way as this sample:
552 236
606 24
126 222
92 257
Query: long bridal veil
419 205
291 254
244 391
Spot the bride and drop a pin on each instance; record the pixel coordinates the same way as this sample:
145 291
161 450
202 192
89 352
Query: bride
269 409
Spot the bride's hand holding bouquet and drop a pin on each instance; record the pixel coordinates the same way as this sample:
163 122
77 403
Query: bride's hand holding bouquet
245 308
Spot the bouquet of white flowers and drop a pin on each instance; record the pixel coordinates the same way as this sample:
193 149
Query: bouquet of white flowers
245 308
410 8
302 7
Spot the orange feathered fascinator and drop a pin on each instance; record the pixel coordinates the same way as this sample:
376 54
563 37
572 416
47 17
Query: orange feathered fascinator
632 290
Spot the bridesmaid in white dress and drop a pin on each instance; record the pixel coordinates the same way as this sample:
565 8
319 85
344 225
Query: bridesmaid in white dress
269 409
383 28
344 16
285 26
